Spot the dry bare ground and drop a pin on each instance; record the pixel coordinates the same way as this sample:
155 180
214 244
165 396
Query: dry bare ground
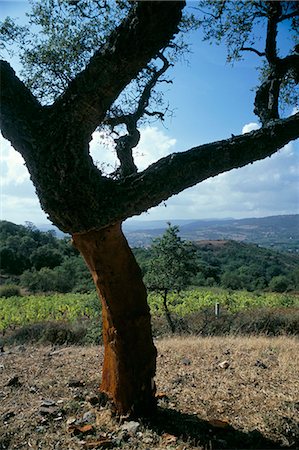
214 393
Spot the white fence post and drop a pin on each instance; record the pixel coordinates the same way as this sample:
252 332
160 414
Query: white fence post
217 310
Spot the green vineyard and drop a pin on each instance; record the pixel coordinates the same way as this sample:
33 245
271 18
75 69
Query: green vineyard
20 311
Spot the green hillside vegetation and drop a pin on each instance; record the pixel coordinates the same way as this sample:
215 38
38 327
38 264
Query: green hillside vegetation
47 294
38 262
237 265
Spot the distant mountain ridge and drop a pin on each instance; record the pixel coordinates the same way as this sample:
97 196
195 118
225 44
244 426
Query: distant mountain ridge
278 232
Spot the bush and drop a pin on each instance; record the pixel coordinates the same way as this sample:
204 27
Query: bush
86 332
71 275
262 321
279 283
9 290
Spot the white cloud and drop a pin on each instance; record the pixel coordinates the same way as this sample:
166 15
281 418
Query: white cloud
250 127
267 187
13 169
19 202
19 210
153 145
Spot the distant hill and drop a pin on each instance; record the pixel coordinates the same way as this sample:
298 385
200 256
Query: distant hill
41 262
242 265
277 232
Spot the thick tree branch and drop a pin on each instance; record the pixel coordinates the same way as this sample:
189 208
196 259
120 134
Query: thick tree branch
147 29
126 143
20 111
266 104
178 171
144 98
274 13
110 201
267 95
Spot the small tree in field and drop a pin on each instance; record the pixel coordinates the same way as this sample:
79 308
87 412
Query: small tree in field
171 267
90 65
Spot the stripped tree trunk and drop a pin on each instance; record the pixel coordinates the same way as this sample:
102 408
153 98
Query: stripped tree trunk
130 355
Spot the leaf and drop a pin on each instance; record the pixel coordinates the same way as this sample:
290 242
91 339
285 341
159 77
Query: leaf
77 429
217 423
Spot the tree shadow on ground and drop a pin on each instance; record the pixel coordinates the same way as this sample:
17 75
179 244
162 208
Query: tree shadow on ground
198 432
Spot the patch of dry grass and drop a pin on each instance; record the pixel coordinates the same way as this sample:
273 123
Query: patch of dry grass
252 403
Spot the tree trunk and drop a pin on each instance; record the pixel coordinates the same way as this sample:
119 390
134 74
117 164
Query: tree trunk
167 312
129 353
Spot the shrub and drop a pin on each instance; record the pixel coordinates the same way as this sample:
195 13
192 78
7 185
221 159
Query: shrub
279 283
9 290
86 332
262 321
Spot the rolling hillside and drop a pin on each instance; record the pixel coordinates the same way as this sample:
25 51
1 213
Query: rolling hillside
277 232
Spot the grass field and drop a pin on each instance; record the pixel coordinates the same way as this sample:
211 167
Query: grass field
251 401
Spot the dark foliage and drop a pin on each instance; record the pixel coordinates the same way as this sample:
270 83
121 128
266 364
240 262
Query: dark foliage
264 321
236 265
45 263
10 290
81 332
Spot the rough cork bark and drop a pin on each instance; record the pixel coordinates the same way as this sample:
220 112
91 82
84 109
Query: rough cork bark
130 355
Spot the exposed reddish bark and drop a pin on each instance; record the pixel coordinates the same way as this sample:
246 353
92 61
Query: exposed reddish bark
130 355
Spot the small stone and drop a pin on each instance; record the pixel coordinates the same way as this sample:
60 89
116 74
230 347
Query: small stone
130 427
224 365
186 361
75 383
59 417
49 411
33 389
88 417
47 403
71 420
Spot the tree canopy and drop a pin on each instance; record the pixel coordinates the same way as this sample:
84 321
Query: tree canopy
99 64
172 262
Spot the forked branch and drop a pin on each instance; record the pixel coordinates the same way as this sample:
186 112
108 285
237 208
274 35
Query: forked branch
126 143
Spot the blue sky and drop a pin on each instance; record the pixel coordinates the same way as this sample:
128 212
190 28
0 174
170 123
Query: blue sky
211 100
